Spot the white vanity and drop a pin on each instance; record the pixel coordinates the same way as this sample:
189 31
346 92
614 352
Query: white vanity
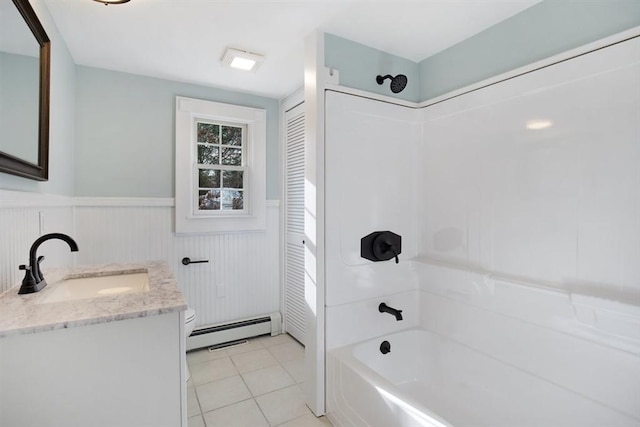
99 346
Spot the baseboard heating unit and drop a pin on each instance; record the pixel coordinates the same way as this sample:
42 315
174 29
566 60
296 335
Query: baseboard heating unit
206 336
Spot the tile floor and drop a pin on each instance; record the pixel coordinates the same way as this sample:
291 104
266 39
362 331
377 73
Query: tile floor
257 384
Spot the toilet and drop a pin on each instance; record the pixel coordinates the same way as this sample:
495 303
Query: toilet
189 324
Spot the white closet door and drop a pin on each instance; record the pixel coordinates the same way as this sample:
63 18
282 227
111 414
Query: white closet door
294 312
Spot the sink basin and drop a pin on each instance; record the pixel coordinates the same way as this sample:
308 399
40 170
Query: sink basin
98 286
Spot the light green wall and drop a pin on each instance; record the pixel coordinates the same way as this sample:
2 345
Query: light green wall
61 118
126 132
124 126
543 30
19 106
546 29
359 65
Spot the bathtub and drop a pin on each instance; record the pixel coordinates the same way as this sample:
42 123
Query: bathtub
427 380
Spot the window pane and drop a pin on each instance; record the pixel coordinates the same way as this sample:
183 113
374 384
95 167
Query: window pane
232 200
208 133
231 135
208 155
232 179
209 178
232 156
209 200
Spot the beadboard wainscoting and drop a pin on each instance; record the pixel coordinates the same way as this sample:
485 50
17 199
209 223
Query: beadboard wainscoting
241 279
23 218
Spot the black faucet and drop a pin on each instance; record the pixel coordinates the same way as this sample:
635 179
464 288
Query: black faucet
384 308
33 280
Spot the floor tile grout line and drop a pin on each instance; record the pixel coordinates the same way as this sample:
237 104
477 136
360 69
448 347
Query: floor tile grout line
195 391
296 418
255 401
195 385
279 363
261 411
254 397
226 406
206 360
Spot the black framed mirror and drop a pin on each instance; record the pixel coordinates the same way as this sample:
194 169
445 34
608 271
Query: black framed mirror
25 74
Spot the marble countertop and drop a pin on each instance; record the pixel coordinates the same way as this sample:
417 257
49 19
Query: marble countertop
26 314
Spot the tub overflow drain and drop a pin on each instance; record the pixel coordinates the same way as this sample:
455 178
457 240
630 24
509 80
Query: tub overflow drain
385 347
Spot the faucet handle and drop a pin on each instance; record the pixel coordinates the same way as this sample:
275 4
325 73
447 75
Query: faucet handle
395 252
38 273
29 281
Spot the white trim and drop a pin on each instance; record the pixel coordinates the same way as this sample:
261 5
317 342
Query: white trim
124 201
23 199
292 299
254 217
287 103
371 95
314 202
291 101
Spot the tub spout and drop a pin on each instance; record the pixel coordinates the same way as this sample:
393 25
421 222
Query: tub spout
384 308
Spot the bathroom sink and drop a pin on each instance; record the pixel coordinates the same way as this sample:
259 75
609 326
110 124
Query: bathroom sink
98 286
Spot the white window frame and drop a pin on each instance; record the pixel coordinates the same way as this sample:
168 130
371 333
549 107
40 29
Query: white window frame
189 219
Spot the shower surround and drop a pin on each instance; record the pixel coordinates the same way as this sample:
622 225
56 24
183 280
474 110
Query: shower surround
518 207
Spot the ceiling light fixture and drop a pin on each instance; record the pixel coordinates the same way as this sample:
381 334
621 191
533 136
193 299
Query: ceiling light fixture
108 2
242 59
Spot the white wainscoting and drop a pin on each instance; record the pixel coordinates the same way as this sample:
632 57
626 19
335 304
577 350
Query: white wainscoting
23 218
241 279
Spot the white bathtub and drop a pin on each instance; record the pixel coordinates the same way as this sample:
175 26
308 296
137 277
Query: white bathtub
429 380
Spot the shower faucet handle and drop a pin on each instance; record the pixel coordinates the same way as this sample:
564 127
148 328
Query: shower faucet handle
381 246
395 253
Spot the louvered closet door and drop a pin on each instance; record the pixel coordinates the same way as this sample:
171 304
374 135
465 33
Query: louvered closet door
294 311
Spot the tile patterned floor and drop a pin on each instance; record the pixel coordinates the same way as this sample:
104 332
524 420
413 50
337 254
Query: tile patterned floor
257 384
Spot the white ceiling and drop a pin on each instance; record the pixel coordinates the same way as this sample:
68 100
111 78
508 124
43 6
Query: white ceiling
184 40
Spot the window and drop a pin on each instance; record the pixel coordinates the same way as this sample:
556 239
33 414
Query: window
220 167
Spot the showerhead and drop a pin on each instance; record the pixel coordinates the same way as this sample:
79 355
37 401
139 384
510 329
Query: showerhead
398 83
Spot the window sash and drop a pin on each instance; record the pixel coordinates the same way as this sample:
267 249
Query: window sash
196 189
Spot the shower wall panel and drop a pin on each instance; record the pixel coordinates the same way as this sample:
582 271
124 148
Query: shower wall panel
538 178
530 225
370 186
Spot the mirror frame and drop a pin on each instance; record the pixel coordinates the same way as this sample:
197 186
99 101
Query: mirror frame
15 165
